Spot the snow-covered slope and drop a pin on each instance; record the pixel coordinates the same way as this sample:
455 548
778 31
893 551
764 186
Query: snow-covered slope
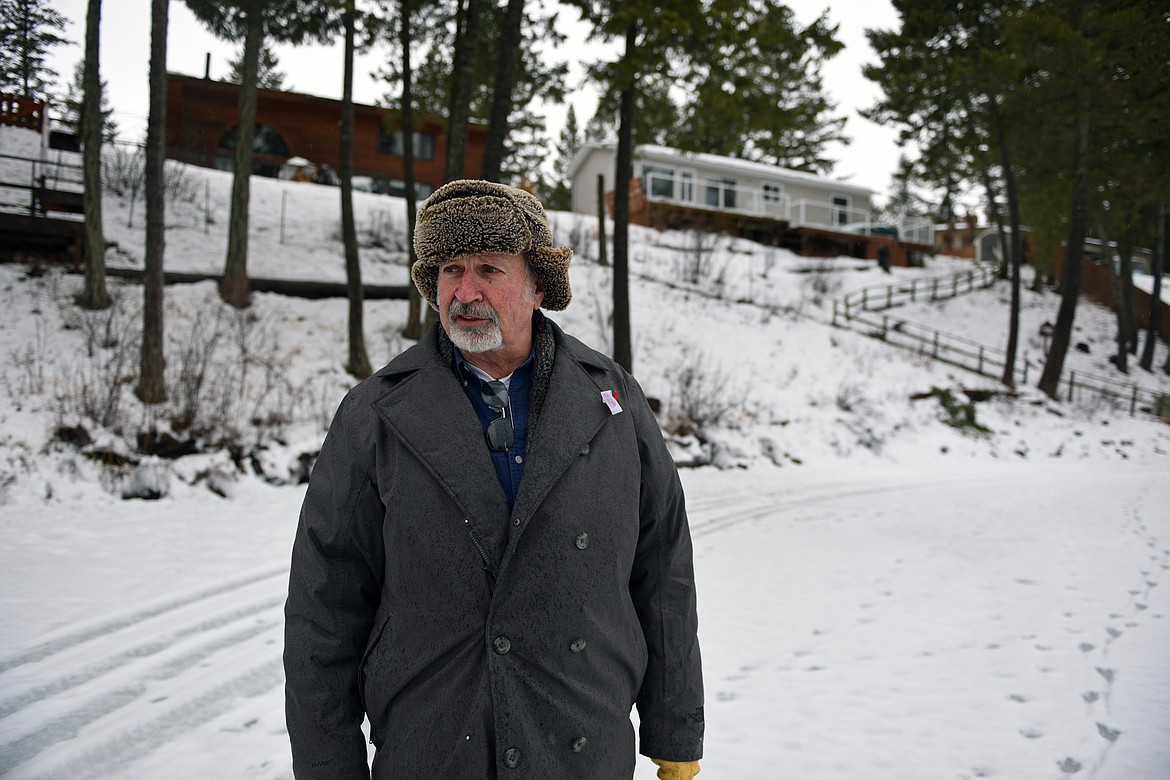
882 595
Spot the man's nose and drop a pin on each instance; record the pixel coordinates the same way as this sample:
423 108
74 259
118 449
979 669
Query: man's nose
468 289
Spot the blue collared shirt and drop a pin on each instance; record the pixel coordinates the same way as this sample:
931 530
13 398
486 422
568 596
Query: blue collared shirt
509 465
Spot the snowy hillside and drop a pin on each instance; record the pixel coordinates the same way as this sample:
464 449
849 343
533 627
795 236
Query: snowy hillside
883 593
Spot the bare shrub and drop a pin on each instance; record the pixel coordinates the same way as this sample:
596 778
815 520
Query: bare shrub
822 279
29 363
123 170
230 386
93 388
179 186
701 398
695 261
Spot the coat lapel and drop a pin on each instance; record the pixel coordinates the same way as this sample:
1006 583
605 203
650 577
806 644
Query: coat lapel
572 415
448 442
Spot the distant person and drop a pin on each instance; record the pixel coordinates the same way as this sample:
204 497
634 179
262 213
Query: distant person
493 562
884 257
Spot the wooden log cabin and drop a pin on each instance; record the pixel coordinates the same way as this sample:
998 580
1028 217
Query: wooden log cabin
201 130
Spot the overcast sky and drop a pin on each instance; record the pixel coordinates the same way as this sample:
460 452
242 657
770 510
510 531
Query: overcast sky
125 50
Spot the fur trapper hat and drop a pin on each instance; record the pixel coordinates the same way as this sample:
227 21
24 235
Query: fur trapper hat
472 216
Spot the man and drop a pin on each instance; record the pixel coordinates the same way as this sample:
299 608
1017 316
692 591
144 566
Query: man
493 562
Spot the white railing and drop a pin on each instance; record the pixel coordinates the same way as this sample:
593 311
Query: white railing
699 194
918 232
696 193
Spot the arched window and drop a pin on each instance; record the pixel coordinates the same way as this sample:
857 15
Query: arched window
266 141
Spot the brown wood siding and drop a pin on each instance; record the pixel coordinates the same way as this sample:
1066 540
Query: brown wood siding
201 111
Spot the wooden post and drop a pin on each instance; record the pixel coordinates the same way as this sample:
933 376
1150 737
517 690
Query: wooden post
1133 401
1072 380
602 252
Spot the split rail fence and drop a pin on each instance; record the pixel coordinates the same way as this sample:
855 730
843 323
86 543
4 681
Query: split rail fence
866 308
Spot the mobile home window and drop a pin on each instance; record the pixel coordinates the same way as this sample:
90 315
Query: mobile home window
840 209
771 192
720 192
658 181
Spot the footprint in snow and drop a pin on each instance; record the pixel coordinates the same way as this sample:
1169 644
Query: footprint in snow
1031 733
1112 632
1090 696
1087 647
1070 766
1108 733
1108 674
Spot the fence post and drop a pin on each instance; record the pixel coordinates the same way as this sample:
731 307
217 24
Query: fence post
936 345
934 289
890 297
980 371
885 326
913 289
834 314
1072 380
865 299
1133 401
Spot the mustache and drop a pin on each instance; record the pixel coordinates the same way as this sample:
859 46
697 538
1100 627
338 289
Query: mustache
480 310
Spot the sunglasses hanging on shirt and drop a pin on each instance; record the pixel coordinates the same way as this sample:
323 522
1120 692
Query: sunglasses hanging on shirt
500 432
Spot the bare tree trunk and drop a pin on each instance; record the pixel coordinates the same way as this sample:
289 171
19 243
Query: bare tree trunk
1126 309
414 326
463 73
358 364
152 388
1015 255
602 249
623 352
234 287
94 295
1147 359
1070 284
493 155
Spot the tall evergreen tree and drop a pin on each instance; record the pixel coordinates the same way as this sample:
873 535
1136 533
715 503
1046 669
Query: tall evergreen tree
358 364
754 89
559 195
29 29
253 21
151 388
502 91
71 113
268 74
94 295
659 38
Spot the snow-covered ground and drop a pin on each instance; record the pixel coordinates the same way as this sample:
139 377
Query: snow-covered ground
882 595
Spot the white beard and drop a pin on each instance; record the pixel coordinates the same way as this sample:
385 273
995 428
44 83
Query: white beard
480 338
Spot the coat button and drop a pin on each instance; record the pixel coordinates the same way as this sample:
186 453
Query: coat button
582 541
577 645
579 744
512 757
502 644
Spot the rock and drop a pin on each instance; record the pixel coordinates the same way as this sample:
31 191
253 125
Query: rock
150 480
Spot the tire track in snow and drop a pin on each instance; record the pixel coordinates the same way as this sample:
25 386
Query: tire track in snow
133 742
140 651
57 645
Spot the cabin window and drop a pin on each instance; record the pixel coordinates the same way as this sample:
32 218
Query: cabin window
771 193
397 188
391 144
265 141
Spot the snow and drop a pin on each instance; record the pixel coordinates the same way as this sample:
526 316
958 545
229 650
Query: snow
881 595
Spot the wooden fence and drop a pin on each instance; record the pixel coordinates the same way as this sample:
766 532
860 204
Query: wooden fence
865 308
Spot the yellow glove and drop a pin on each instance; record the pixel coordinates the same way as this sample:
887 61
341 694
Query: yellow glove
676 770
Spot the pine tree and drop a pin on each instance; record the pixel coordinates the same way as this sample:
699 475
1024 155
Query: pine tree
559 197
253 21
267 74
71 113
94 294
28 30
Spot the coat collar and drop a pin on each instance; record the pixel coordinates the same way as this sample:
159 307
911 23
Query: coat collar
429 412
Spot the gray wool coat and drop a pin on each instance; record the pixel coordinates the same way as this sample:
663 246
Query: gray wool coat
482 642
